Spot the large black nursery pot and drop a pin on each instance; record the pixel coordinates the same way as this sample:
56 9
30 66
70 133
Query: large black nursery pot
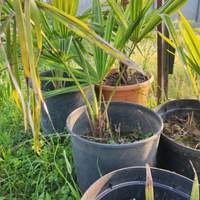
171 155
129 183
59 106
91 158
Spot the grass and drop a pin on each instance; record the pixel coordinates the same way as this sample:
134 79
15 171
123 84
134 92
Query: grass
45 176
22 174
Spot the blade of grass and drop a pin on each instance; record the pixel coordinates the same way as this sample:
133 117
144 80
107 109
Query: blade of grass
28 38
33 66
10 3
6 9
74 193
69 169
36 19
1 2
169 7
22 37
119 13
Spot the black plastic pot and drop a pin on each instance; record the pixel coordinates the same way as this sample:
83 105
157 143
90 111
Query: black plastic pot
176 104
90 157
60 106
171 155
129 183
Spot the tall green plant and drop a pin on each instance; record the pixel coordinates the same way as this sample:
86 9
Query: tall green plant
21 25
191 58
133 26
19 13
30 58
59 37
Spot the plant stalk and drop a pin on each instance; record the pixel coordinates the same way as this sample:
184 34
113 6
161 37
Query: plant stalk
115 87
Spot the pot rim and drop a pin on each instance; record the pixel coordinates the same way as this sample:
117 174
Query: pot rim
157 109
128 87
111 146
144 168
109 175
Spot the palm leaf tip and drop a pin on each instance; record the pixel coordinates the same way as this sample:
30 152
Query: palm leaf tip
195 187
149 193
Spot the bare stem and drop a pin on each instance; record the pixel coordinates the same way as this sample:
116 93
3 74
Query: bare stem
107 119
91 126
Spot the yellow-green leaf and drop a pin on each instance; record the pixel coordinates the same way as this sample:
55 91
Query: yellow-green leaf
118 13
149 194
16 85
195 187
4 24
22 37
36 19
84 31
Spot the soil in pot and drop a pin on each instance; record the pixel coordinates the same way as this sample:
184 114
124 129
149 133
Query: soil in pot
184 129
133 79
118 137
171 155
105 134
136 91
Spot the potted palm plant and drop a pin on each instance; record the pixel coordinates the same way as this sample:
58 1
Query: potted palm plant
80 117
148 147
90 157
176 152
17 21
141 26
134 24
57 80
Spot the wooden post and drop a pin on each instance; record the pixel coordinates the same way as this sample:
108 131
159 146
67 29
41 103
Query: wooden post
162 60
159 58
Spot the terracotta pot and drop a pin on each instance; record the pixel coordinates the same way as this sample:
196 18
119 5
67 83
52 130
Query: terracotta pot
131 93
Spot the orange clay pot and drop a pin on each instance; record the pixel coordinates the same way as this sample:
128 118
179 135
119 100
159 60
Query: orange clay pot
131 93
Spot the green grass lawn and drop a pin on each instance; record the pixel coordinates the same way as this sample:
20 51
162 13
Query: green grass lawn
24 175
